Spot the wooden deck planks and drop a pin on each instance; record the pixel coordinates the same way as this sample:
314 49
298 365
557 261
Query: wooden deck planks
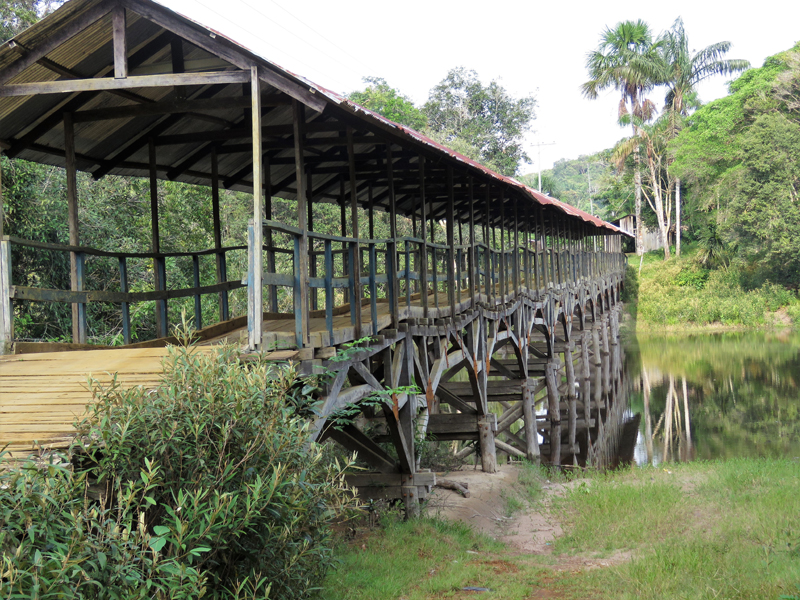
41 395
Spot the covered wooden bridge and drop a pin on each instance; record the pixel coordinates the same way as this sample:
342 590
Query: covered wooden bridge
501 307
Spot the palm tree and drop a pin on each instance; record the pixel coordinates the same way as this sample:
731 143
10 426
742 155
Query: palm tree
627 61
681 71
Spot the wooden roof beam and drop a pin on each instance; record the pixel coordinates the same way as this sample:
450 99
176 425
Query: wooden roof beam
174 106
98 84
54 118
72 28
141 139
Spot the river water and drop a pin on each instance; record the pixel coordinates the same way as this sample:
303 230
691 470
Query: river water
712 396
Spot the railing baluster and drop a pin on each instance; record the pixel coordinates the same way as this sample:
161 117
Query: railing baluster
329 290
373 288
198 306
408 275
126 311
435 281
298 307
80 265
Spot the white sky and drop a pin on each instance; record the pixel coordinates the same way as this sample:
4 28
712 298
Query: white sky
532 47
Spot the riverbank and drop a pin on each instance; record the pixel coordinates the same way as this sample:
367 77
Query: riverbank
727 529
681 295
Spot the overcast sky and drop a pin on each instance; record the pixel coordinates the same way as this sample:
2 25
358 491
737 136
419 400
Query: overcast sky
534 48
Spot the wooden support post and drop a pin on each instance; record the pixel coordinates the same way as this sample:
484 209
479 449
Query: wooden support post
531 435
298 117
343 228
487 426
586 388
371 215
256 290
120 42
78 309
391 259
220 263
451 277
355 302
473 264
515 261
6 307
554 411
312 266
572 398
503 266
423 235
159 264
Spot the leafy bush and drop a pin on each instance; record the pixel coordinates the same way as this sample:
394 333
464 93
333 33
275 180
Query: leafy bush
692 278
207 487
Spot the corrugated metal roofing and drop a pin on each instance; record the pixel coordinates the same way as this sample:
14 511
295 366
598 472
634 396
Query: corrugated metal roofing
120 146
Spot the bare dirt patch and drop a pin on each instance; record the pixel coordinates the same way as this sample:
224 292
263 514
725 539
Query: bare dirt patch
529 531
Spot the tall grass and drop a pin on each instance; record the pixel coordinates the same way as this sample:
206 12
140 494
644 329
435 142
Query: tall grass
680 292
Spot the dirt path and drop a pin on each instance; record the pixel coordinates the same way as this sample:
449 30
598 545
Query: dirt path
530 530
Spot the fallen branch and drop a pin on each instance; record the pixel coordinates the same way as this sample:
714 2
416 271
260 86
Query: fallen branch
456 486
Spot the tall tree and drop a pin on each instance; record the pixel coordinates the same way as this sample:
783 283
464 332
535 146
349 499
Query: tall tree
385 100
682 71
487 118
626 60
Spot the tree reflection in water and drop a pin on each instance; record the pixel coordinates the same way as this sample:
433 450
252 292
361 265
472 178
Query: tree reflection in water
715 395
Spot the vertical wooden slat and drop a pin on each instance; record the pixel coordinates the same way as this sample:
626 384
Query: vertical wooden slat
298 119
126 312
355 267
256 327
120 42
78 309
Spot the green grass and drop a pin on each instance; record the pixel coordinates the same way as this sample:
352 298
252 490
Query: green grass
698 530
427 558
680 293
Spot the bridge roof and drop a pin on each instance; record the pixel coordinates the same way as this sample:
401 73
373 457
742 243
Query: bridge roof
185 92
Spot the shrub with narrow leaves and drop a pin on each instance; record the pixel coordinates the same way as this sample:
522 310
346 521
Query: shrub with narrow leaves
207 487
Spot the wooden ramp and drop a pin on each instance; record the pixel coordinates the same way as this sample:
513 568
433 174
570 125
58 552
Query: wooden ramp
41 395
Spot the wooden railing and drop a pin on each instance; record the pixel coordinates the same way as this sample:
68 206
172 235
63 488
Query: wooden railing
417 278
81 296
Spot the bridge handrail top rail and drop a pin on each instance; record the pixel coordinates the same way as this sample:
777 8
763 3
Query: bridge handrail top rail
95 252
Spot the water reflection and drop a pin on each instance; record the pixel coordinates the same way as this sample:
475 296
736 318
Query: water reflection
715 395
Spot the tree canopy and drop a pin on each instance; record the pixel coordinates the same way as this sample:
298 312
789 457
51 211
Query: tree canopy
487 117
385 100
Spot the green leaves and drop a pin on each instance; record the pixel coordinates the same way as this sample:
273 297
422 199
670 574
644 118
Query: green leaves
208 481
